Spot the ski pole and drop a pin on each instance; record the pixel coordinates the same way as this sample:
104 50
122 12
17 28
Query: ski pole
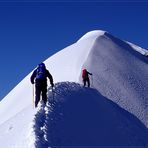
92 80
33 94
52 93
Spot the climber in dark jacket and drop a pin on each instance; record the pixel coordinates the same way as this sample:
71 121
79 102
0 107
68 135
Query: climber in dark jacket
39 77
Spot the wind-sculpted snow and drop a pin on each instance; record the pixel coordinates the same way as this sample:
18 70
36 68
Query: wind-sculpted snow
121 74
77 116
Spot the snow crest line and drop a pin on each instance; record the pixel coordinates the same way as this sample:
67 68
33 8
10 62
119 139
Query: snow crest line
45 115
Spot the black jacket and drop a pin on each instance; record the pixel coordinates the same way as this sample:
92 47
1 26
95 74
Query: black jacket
38 81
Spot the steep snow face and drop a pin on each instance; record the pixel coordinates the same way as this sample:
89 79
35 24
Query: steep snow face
120 73
82 117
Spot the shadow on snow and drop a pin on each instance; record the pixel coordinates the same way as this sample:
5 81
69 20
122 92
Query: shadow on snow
78 116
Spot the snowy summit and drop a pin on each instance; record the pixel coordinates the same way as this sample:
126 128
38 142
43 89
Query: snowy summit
112 112
92 34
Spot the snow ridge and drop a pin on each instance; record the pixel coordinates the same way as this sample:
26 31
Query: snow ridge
92 34
120 74
74 118
139 49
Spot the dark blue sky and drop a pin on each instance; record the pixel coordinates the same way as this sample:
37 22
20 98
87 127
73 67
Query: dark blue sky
31 31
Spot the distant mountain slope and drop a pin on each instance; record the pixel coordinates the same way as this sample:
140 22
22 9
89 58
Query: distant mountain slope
81 116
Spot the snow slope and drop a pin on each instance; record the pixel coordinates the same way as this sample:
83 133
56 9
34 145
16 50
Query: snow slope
14 133
119 74
81 116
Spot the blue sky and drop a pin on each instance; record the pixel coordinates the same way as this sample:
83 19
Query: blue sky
31 31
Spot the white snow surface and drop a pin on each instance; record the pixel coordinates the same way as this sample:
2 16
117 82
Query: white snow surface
139 49
113 112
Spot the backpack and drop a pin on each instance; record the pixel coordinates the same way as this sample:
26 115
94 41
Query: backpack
84 73
41 72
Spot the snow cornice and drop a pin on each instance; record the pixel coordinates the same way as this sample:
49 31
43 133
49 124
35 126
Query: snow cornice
92 34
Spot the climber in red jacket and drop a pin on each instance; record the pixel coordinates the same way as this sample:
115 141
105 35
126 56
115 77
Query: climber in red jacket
85 77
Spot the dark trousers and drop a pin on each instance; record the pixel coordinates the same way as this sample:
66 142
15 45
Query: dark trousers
40 90
86 80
